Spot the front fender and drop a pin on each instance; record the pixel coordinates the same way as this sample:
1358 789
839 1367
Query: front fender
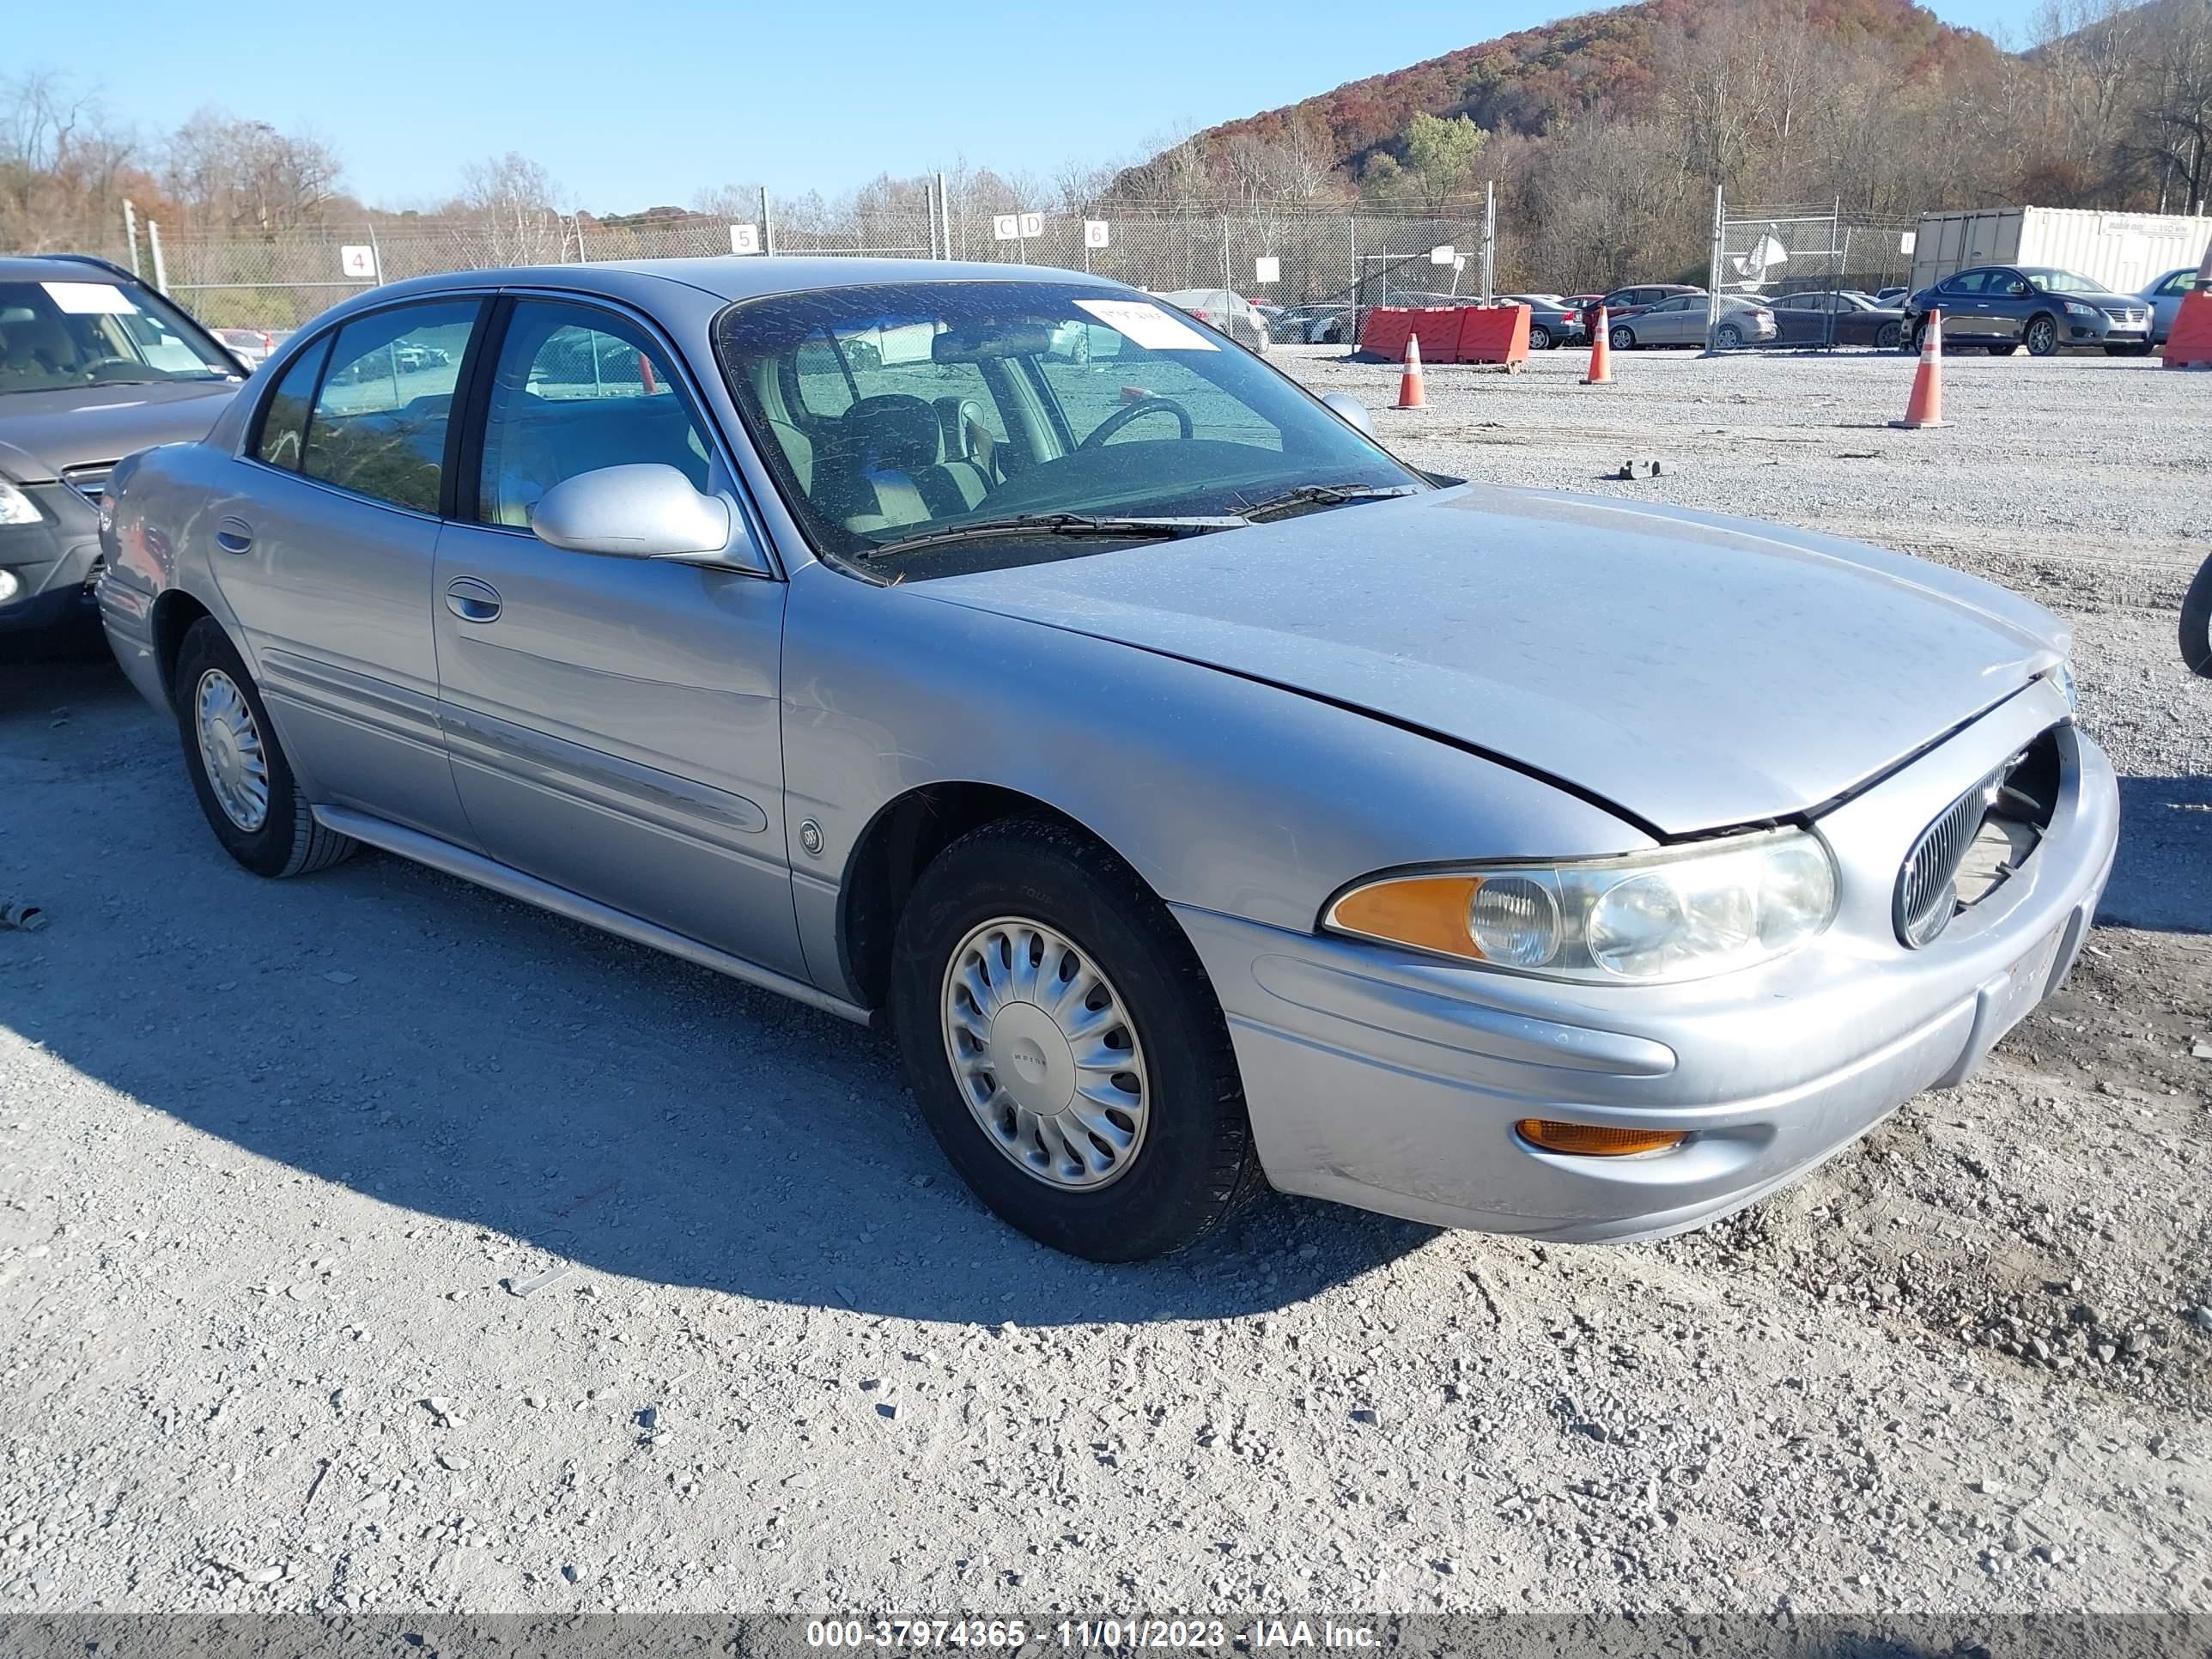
1224 793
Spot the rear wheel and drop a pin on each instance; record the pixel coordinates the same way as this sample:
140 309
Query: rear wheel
1065 1048
2001 350
238 767
2042 335
1539 338
2196 623
1890 336
1728 337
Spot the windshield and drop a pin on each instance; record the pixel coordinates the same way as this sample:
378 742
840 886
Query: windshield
2062 282
95 333
891 412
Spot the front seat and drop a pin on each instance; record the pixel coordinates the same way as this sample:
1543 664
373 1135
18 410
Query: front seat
879 467
39 344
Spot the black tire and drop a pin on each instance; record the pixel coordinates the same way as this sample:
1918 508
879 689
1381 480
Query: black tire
2041 336
2001 350
2196 623
1539 338
1195 1163
1920 336
1623 337
1889 336
288 841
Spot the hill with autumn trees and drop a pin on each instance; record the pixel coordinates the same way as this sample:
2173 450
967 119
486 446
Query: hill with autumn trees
1606 133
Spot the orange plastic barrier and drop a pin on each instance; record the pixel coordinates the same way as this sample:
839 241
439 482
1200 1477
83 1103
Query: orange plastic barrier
1494 334
1382 333
2189 342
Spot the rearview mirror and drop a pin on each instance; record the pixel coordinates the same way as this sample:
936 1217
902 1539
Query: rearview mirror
1349 410
644 510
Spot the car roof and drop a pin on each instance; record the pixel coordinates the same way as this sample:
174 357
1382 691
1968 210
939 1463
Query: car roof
731 277
59 268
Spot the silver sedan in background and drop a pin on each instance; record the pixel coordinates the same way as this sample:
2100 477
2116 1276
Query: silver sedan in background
1680 321
1200 796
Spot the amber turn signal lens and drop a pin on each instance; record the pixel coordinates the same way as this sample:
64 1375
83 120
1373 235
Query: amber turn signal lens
1592 1141
1427 912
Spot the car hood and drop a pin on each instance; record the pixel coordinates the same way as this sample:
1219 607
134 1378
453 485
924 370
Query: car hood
43 433
1694 672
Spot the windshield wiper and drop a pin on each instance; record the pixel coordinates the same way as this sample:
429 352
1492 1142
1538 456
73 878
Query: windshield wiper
1054 524
1326 496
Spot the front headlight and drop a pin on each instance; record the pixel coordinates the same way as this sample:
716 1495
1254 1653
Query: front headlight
1650 918
16 507
2065 675
2075 308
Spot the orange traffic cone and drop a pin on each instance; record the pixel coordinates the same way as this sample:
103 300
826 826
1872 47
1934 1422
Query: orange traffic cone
1601 364
1411 392
1925 406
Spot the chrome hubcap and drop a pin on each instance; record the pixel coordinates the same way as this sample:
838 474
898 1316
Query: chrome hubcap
1045 1055
230 748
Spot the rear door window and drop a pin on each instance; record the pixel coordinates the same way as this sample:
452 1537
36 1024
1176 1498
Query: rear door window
284 418
379 422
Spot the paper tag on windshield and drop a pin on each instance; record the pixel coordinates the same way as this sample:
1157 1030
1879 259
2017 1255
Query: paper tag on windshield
1148 326
90 298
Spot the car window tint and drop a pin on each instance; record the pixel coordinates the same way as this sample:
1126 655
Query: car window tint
2180 282
284 418
1967 282
379 421
577 389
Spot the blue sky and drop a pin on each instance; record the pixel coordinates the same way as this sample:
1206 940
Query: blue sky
630 105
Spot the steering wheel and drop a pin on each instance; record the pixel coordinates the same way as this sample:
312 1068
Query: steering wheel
1137 410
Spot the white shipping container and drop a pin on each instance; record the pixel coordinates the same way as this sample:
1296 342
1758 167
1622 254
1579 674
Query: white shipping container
2122 251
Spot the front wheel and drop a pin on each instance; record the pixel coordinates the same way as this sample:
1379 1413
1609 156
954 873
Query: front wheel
2042 337
2196 623
1065 1048
238 767
1624 338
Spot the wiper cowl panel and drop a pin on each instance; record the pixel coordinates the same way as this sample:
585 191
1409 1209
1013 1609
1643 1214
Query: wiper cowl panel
1326 495
1054 524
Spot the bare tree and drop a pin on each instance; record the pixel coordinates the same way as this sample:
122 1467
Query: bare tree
509 202
235 175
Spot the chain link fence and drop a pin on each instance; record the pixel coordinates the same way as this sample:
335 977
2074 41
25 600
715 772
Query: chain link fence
1324 264
1768 252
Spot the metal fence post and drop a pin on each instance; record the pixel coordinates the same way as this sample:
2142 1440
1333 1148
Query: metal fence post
160 271
1488 240
375 256
767 225
131 234
1713 280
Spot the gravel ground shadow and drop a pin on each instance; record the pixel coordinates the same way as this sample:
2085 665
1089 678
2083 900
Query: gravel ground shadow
447 1052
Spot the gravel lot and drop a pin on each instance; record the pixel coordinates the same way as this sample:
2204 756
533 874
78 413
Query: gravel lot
370 1242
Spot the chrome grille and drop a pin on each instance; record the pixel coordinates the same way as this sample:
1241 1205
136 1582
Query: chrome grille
1928 886
89 481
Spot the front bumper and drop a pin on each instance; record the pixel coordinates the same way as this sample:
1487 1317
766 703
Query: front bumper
2104 329
50 565
1390 1081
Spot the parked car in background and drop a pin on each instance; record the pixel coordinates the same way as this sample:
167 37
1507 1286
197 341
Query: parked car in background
1890 296
1341 851
1324 323
2163 298
93 365
2004 307
1553 320
1680 321
1633 302
1837 317
1230 313
250 346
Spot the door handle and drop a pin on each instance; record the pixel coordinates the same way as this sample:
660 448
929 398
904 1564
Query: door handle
233 535
471 600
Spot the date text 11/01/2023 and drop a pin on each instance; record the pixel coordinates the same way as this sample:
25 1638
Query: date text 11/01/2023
1108 1634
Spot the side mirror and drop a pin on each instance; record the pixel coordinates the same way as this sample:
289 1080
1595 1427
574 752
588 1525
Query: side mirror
644 510
1349 410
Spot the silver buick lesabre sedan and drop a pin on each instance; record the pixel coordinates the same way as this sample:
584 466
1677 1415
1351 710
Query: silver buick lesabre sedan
1203 797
